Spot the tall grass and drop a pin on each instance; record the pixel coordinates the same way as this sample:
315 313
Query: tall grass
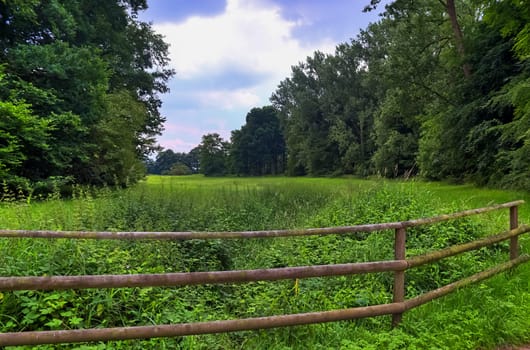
486 315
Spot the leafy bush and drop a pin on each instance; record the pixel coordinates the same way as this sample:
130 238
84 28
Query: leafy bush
178 169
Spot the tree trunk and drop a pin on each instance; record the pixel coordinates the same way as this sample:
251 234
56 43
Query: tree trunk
459 37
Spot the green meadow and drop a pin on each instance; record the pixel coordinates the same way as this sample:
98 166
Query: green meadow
486 315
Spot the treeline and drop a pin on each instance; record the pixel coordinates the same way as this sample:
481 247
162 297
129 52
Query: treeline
168 162
435 88
258 148
432 89
79 91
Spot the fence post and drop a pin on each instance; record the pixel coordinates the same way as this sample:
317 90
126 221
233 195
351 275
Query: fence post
514 223
399 276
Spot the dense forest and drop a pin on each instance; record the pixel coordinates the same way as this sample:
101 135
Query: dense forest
79 91
435 88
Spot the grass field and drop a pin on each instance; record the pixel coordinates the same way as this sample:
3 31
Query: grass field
483 316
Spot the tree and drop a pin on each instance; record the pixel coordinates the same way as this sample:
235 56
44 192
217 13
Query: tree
511 19
178 169
166 159
411 56
21 133
392 96
118 157
459 37
67 85
192 160
450 9
300 106
349 101
326 110
258 147
213 155
76 64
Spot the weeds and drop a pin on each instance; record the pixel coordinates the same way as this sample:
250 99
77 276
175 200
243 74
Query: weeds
484 316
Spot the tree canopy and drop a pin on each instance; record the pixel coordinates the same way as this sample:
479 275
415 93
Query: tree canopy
258 148
437 88
79 86
213 155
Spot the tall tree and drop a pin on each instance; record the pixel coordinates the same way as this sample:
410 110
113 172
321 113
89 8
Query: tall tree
213 155
450 9
258 147
511 19
306 125
76 64
458 35
404 53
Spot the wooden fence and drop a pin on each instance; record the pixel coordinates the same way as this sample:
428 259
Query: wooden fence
399 266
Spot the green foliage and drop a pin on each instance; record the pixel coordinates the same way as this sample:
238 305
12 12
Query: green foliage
74 67
213 155
76 77
485 316
512 161
178 169
434 87
408 77
512 19
167 159
258 148
325 114
117 159
20 133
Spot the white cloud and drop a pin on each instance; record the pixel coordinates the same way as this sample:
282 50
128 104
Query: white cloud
248 35
251 39
229 99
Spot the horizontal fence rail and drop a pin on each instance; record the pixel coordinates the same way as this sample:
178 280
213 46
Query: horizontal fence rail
195 278
247 324
398 266
465 247
251 234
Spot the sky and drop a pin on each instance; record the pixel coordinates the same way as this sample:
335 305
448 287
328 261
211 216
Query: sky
230 55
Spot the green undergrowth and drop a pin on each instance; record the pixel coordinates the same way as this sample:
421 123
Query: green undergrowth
482 316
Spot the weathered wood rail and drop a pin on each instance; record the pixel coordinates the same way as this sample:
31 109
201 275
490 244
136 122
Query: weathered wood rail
399 266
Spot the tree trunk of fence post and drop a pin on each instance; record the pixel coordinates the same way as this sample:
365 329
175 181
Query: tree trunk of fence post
514 244
399 276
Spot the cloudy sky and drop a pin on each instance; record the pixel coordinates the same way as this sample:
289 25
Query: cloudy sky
229 56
